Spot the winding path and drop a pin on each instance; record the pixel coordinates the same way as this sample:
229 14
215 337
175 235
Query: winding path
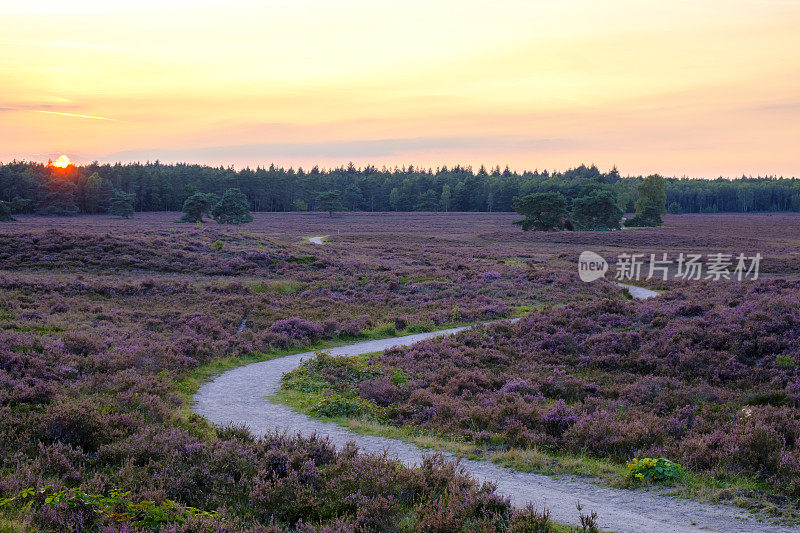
240 396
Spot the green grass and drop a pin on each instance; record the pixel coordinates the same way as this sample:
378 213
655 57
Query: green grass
11 525
41 330
515 262
277 286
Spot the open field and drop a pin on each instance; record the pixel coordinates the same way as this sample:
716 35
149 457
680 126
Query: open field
106 324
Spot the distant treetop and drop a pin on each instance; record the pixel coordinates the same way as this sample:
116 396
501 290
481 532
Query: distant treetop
160 187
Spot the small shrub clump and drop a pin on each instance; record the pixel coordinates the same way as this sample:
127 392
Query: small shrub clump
649 470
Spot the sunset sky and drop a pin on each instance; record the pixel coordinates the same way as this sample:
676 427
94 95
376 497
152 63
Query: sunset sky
700 88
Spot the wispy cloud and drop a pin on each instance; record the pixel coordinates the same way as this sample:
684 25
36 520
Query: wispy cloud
342 149
74 115
9 107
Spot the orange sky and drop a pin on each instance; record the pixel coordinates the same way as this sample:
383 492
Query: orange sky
701 88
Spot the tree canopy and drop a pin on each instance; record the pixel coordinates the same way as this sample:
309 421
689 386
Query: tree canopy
5 212
543 211
651 204
596 210
160 187
197 206
121 205
330 201
233 208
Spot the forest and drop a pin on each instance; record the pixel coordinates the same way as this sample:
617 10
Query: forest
28 187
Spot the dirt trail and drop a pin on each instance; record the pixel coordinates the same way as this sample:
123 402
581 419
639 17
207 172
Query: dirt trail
241 395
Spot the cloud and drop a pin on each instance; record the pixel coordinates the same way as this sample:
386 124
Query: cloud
352 149
37 107
778 106
73 115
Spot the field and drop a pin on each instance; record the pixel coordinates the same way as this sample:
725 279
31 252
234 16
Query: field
108 325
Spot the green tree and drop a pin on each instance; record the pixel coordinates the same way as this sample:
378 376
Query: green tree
92 193
59 198
19 205
651 203
198 205
626 195
543 211
352 197
188 190
446 198
394 199
5 212
330 201
300 205
596 210
674 208
233 208
121 204
427 201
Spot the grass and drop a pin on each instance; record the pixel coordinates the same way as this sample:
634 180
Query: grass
277 286
11 525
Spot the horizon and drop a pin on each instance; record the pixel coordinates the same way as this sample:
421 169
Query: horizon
396 168
696 89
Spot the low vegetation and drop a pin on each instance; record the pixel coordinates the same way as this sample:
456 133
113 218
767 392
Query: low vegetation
99 357
713 388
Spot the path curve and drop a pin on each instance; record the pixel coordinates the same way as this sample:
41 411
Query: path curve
240 396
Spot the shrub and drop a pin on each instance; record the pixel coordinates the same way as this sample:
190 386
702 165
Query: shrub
335 406
648 470
81 344
383 391
297 328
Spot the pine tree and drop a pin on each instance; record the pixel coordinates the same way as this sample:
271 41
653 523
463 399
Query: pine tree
330 201
233 208
5 212
544 211
121 204
198 205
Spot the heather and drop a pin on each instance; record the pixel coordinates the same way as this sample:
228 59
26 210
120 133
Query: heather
103 320
706 375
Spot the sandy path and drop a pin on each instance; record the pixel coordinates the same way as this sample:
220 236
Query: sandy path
240 396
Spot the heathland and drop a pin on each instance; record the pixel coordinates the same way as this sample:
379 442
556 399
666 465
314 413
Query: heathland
109 325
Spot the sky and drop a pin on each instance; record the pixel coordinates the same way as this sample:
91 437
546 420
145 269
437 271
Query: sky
701 88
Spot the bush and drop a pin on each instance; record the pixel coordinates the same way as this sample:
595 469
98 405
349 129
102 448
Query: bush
81 344
336 405
297 328
648 470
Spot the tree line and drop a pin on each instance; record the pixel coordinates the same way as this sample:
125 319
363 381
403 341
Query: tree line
596 206
28 187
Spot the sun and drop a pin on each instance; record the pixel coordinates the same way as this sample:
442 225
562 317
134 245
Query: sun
62 162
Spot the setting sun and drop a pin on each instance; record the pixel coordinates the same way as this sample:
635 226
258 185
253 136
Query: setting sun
62 162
